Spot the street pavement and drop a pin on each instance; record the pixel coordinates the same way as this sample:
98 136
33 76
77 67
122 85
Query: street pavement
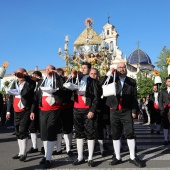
150 149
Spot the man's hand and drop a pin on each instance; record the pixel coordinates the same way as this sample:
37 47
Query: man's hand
35 78
19 75
32 116
112 70
74 73
90 115
7 116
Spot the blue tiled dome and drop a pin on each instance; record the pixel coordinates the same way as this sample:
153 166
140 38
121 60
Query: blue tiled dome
139 56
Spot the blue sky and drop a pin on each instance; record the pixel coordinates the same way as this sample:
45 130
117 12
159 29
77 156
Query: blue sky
31 31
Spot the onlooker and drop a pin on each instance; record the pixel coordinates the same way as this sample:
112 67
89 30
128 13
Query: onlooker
143 109
153 108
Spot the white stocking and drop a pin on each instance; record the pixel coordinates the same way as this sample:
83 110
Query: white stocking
20 146
34 140
80 143
45 147
116 145
131 145
101 145
50 146
90 144
24 146
68 142
58 143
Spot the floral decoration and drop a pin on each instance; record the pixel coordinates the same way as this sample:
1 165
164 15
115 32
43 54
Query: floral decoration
156 72
168 60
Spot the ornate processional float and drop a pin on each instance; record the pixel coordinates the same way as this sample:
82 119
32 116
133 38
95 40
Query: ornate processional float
93 48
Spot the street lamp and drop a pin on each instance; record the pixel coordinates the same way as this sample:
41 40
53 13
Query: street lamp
66 56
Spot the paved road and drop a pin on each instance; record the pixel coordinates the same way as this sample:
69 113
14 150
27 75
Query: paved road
150 150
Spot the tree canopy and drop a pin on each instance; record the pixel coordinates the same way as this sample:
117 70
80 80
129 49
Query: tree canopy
162 64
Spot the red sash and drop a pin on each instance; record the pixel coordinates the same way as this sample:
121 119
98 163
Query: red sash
156 106
45 106
15 105
79 103
167 106
119 106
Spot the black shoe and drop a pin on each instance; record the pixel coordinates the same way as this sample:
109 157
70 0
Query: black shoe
42 161
165 143
57 153
152 131
32 150
158 133
137 162
70 153
23 157
42 151
77 162
16 157
115 161
47 164
91 163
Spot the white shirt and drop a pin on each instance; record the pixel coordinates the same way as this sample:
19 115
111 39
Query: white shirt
48 82
168 89
21 85
122 80
156 97
82 85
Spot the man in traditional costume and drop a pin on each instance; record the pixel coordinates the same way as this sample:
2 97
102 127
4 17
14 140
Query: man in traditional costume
21 98
85 103
34 125
49 100
122 107
153 108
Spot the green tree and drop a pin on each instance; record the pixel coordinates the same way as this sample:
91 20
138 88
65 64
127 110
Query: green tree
6 84
162 64
144 82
